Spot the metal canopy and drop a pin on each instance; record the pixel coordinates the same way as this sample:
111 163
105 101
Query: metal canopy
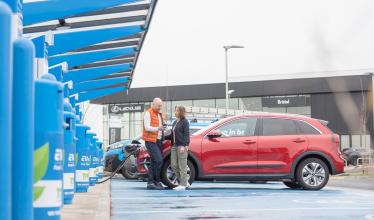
68 41
100 40
76 59
81 75
39 11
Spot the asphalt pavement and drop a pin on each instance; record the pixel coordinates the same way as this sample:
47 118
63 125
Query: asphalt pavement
353 182
233 200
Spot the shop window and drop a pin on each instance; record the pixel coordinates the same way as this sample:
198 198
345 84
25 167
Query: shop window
365 141
137 129
274 110
344 142
234 103
207 103
356 141
180 103
126 116
221 103
250 104
303 110
147 105
138 116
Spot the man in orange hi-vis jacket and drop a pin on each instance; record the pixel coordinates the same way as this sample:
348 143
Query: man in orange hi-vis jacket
153 134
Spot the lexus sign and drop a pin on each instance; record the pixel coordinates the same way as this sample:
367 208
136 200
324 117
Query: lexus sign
124 108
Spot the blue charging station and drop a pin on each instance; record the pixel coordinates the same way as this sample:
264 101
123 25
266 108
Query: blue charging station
101 159
69 154
93 157
35 126
83 159
23 130
96 159
48 164
5 111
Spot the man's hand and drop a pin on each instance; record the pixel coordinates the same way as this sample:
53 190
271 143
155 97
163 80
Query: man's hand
161 128
182 149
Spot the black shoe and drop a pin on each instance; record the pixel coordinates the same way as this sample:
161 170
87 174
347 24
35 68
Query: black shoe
151 186
159 185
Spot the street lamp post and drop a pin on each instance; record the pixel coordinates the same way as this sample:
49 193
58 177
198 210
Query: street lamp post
372 106
227 48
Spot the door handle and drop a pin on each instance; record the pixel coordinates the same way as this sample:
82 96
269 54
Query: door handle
249 142
298 140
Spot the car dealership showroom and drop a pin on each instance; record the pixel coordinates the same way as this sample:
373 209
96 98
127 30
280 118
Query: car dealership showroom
175 109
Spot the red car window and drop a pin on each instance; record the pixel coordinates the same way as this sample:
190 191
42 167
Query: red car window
238 128
278 126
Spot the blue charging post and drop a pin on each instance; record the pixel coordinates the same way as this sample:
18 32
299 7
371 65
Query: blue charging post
96 159
5 111
101 159
69 154
48 155
83 159
92 147
23 130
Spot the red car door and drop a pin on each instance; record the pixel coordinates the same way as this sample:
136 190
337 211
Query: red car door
278 145
234 152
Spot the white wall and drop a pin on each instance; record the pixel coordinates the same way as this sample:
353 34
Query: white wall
93 117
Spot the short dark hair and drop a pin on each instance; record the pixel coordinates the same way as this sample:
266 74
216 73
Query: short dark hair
182 111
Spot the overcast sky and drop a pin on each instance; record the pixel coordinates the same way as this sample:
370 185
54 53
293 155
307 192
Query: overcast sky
185 40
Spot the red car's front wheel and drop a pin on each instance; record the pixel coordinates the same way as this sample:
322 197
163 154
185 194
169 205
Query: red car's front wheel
169 178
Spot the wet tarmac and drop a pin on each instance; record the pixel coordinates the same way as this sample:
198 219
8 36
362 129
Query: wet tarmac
217 200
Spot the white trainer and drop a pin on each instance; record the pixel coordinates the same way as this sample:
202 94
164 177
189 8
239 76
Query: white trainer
188 185
179 188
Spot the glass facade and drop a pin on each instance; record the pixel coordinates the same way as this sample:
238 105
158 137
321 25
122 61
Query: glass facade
208 103
233 103
131 123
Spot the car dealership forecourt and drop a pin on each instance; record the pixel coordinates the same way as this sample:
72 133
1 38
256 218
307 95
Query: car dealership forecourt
67 71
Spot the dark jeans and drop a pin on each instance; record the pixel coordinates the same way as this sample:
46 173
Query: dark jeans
154 171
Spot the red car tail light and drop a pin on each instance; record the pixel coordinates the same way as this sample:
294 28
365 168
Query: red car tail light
335 139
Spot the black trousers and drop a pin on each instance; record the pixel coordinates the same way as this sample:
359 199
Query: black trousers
154 171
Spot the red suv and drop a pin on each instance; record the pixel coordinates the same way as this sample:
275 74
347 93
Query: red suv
297 150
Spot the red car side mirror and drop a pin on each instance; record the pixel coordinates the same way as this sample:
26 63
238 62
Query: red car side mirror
214 134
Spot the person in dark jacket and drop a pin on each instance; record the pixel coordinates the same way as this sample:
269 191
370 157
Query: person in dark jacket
180 139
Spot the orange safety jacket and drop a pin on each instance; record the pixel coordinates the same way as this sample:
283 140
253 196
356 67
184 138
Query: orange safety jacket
151 136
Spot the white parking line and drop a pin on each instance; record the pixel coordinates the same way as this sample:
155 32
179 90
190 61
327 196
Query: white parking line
241 210
317 197
360 201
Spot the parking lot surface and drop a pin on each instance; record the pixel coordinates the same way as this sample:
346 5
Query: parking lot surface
229 200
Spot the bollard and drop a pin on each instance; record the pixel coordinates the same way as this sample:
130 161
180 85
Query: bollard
93 156
69 154
23 130
101 159
48 155
5 111
83 159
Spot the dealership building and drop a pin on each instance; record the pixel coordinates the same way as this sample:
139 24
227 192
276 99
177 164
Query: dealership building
346 101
